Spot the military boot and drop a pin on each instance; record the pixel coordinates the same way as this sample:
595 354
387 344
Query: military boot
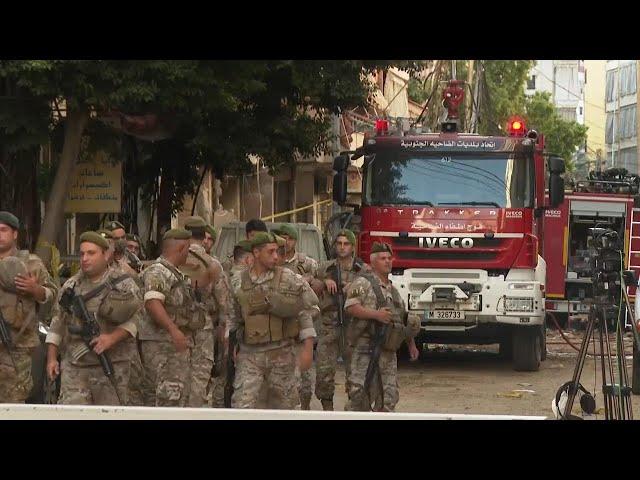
327 405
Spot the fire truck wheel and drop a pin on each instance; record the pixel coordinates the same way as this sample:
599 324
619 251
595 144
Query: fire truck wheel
527 349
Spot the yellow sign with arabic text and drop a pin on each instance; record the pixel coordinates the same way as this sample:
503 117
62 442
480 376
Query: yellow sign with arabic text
96 187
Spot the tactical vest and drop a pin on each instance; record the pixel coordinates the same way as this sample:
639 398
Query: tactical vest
18 311
328 302
112 307
365 329
269 316
189 315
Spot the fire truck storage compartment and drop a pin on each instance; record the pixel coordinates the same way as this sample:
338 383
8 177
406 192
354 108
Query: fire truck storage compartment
585 215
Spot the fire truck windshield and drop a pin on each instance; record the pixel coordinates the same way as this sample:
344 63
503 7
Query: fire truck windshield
498 180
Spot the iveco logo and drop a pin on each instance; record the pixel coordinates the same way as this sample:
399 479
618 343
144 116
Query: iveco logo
442 242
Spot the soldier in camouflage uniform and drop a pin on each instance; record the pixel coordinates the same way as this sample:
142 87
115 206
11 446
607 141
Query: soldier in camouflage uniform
273 311
116 254
252 228
25 284
212 287
210 236
118 262
117 230
134 245
331 338
297 262
242 259
306 266
372 301
172 316
115 301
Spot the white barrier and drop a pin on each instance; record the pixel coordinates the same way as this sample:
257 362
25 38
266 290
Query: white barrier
80 412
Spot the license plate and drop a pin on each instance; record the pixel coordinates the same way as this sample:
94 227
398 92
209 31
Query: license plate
445 315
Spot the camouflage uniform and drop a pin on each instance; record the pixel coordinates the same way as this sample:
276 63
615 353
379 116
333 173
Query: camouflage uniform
233 280
215 300
20 313
83 381
328 336
136 374
304 265
360 332
168 372
265 361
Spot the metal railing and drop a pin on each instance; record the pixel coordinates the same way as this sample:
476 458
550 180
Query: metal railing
313 205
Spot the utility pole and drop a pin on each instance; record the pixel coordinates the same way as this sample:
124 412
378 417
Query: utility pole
468 103
475 109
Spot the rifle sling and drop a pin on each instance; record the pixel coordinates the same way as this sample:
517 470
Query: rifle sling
109 283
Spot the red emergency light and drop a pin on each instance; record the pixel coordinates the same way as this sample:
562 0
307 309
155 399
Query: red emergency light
382 126
516 127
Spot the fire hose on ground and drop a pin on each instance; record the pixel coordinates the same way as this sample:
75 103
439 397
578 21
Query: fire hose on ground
564 337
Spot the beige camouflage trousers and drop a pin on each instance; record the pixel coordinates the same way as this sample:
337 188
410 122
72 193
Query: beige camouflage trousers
88 385
15 386
167 374
201 366
136 380
327 359
275 369
387 375
305 386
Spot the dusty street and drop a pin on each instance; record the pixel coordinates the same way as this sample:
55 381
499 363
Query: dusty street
474 379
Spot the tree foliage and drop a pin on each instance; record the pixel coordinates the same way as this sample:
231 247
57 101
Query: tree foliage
220 112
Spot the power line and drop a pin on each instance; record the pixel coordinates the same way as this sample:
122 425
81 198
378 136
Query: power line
567 90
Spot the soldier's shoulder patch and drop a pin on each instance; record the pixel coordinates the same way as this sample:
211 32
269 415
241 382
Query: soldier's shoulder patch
358 287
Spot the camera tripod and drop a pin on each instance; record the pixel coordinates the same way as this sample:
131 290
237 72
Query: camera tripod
617 396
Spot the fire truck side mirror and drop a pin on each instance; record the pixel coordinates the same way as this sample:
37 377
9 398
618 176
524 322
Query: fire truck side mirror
556 190
556 165
340 165
340 188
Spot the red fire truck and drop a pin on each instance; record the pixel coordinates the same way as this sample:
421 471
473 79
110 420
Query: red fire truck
608 199
464 214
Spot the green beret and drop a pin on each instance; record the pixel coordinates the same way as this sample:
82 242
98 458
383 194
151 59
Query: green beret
211 231
244 245
95 238
286 229
262 238
349 234
132 237
280 241
10 219
177 234
114 225
381 247
194 222
105 233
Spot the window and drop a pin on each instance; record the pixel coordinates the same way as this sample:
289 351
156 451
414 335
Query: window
624 124
612 85
492 179
531 82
